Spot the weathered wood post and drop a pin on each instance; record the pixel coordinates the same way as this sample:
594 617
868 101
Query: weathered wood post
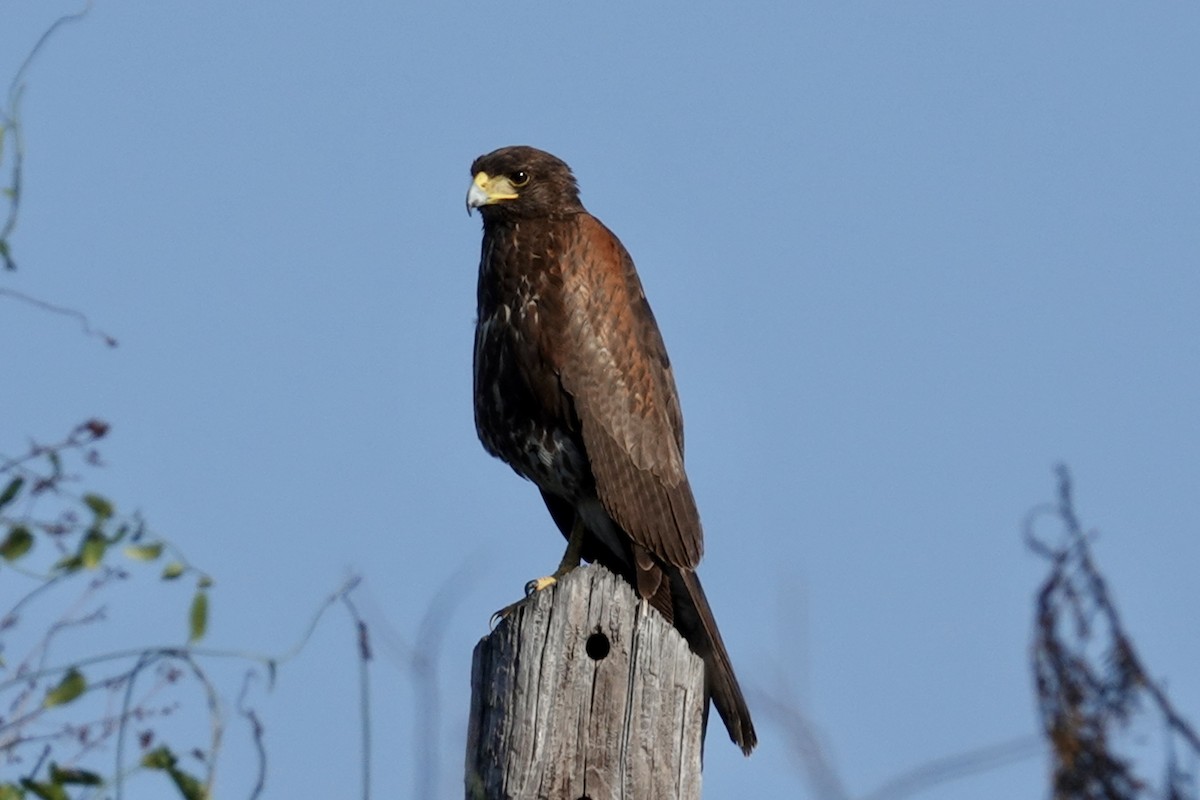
583 692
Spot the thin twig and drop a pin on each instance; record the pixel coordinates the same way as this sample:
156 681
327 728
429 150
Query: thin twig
805 745
145 660
10 119
256 730
15 84
364 693
82 435
84 322
216 721
958 765
419 662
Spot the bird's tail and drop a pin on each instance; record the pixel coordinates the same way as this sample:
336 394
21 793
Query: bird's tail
721 683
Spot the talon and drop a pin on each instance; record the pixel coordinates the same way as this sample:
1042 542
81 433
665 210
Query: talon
537 585
503 614
531 588
570 561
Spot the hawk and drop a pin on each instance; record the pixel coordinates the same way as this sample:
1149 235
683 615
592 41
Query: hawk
573 389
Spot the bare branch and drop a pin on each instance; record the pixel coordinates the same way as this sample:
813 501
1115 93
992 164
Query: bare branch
70 312
10 121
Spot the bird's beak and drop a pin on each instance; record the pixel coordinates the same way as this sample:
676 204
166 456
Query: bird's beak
486 190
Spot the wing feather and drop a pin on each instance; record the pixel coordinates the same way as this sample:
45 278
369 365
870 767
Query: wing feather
615 368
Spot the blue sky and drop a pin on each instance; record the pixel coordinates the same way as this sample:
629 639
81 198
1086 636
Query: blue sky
906 258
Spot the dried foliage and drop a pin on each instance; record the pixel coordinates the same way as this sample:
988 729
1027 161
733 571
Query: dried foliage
1093 692
1091 684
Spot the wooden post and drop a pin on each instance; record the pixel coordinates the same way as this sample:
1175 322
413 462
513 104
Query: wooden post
585 692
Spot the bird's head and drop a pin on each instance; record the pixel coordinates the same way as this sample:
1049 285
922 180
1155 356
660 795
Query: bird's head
515 183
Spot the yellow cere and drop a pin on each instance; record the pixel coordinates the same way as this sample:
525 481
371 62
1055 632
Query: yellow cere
496 188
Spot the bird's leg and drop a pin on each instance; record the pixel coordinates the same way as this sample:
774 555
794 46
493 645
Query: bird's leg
570 560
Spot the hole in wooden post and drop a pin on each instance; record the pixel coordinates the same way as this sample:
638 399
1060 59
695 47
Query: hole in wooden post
597 646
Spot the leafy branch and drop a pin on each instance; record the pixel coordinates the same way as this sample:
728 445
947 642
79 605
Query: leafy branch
79 539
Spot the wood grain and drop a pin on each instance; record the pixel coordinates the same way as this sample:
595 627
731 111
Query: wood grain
585 692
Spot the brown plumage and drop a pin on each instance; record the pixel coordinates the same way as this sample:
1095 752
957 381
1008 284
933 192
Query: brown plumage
573 389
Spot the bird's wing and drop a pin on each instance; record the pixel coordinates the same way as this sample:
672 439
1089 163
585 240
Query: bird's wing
613 364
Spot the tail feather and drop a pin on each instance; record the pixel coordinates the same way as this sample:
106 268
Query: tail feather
677 594
694 618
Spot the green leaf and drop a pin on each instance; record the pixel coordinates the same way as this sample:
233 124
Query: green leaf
69 564
72 685
163 759
10 791
17 543
10 491
159 758
189 785
78 777
198 617
46 791
172 571
92 551
101 507
144 552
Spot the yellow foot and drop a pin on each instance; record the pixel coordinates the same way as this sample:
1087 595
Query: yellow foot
570 561
538 584
531 588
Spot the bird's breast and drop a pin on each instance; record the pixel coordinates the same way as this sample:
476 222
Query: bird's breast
522 415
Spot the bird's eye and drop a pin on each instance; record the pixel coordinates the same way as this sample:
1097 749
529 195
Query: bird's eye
519 178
